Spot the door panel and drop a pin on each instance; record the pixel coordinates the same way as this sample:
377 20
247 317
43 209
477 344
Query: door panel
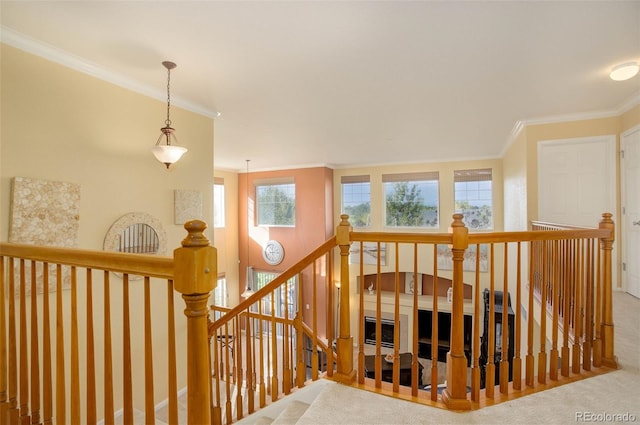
577 181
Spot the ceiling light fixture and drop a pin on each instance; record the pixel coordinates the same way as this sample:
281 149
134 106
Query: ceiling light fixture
624 71
249 288
166 149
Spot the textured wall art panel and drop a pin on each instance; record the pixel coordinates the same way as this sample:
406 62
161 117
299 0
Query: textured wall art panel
44 213
188 205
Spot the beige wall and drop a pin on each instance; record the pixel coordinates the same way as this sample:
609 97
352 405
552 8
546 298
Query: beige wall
226 238
62 125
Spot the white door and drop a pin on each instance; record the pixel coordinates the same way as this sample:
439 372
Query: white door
577 182
630 229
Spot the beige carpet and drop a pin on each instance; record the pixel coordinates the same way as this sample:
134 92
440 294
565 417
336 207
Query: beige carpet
598 399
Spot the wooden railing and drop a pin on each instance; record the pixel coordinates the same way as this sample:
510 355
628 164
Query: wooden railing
285 334
58 309
578 337
267 346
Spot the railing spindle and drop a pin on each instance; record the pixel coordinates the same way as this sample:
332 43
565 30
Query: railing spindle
127 383
91 367
149 404
171 346
35 352
24 365
60 367
109 409
75 357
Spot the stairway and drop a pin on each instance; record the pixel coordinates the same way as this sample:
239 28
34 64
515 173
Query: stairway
291 408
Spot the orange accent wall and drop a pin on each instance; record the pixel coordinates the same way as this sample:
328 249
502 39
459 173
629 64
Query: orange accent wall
314 225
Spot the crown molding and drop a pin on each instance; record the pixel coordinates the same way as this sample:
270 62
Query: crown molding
631 102
46 51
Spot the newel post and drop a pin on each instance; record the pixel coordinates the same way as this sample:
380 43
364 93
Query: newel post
455 395
606 245
344 345
195 272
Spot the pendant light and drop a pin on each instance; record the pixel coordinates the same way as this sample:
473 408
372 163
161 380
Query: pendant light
166 149
249 288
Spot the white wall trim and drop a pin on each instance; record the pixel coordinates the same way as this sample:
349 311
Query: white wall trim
64 58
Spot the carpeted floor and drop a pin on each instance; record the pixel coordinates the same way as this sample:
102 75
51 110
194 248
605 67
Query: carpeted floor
598 399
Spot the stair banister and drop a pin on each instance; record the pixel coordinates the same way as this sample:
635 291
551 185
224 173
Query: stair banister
344 345
606 245
195 277
455 395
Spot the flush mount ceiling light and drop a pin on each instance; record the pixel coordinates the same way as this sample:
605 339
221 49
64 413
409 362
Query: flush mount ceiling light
166 149
624 71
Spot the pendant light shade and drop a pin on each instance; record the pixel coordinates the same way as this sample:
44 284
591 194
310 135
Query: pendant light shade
166 149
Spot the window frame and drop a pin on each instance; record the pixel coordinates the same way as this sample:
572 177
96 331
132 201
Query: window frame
478 175
355 180
258 184
219 216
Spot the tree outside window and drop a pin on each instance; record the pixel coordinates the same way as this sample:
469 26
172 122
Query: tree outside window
411 200
276 204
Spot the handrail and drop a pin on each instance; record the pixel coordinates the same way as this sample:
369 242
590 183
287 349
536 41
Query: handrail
143 264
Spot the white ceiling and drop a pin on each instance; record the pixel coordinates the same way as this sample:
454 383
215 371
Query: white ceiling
347 83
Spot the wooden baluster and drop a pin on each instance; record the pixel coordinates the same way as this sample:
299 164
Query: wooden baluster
301 369
227 371
250 378
331 310
577 314
554 354
542 355
455 395
490 369
435 338
13 414
286 365
566 312
195 277
517 358
588 304
149 403
75 357
396 324
378 289
216 412
344 346
504 356
24 350
529 358
238 371
417 287
475 369
361 317
60 367
91 367
126 354
171 346
109 409
274 350
35 351
314 324
597 342
4 395
263 387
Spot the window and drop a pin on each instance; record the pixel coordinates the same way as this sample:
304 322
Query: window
356 200
220 293
474 198
261 279
276 203
411 199
218 202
